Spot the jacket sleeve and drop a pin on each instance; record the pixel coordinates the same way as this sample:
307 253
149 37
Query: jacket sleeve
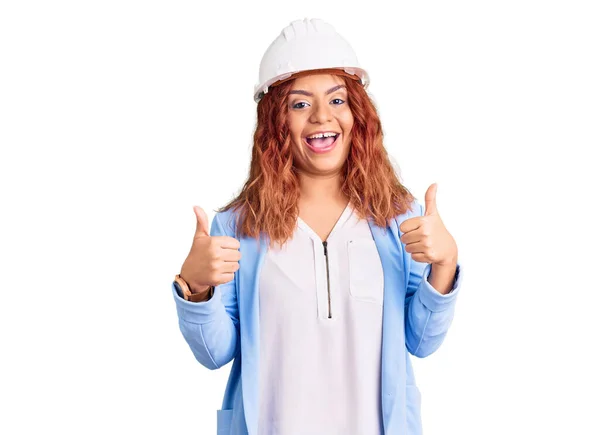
427 313
211 328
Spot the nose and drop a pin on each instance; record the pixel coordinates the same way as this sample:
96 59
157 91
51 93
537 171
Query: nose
321 113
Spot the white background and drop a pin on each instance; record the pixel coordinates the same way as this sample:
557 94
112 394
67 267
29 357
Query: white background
117 117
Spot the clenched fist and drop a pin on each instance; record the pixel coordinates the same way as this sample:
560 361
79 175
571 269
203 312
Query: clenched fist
212 259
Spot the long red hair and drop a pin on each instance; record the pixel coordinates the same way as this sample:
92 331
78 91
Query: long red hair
268 201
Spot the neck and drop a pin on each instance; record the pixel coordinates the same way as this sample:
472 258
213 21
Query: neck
319 188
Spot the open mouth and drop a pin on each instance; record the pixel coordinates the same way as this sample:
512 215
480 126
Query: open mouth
322 143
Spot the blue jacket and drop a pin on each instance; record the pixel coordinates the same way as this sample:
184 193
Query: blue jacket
416 318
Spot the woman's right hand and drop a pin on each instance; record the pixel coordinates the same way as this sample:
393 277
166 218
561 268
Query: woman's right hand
212 260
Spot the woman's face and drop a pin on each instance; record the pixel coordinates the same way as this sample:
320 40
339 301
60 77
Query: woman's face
319 104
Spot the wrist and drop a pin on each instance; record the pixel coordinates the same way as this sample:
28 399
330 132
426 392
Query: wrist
201 289
447 264
200 294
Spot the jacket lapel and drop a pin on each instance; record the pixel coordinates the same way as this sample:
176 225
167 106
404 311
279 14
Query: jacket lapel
393 362
253 253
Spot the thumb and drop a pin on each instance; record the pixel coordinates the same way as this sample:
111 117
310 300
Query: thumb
430 204
201 222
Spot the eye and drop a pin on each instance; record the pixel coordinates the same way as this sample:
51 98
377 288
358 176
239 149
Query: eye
295 106
339 99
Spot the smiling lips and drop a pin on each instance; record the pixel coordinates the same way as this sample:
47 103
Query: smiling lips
322 144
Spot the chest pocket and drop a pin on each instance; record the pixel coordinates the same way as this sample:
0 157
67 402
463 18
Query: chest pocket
365 272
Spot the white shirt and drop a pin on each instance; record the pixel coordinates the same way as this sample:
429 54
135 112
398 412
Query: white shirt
320 362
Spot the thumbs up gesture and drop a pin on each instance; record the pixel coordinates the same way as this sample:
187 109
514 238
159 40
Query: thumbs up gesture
426 238
212 259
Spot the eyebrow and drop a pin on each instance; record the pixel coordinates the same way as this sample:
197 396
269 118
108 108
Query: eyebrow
302 92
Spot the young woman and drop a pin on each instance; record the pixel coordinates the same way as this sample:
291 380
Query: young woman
322 276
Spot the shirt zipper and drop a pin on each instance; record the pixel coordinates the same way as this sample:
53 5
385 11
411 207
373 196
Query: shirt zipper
328 289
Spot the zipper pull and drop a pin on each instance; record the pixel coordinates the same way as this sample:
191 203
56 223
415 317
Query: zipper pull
325 246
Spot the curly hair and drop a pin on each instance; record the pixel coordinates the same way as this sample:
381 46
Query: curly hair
268 201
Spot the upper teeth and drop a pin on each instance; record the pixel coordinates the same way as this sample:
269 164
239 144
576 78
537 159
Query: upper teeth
315 136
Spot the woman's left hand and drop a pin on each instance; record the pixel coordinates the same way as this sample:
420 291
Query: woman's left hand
426 238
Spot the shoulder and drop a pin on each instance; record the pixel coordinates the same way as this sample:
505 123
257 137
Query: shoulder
227 220
416 209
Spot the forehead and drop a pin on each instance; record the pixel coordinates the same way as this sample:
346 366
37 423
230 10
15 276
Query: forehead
317 82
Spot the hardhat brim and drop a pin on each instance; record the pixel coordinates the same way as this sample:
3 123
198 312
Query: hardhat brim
355 73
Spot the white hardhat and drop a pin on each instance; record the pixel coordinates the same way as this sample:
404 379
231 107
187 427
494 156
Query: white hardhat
306 45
